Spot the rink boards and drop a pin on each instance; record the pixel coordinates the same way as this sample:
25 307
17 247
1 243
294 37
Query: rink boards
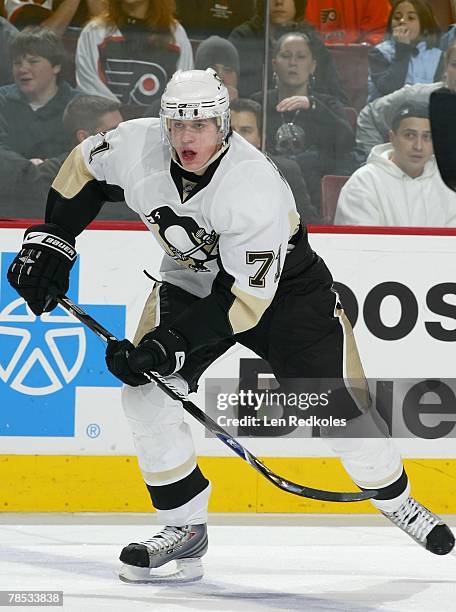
65 441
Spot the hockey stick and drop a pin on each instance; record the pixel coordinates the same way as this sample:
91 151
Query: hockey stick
213 427
442 112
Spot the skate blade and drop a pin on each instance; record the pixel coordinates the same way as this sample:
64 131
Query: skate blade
186 570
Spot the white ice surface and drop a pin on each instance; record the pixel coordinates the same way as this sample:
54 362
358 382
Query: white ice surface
318 565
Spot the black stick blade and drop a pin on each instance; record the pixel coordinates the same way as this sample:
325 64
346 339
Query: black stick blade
309 492
443 125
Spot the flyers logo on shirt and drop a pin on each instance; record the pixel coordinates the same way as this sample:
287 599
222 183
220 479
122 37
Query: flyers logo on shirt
149 85
183 239
328 15
133 81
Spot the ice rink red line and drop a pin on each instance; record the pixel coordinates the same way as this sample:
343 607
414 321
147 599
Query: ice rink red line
313 229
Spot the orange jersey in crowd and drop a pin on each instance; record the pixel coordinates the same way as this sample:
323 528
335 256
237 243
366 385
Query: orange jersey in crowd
349 21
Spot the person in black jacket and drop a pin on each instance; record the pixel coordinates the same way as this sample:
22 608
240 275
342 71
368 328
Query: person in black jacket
248 38
302 122
31 112
246 120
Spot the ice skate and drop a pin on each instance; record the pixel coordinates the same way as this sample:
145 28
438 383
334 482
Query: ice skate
423 526
182 547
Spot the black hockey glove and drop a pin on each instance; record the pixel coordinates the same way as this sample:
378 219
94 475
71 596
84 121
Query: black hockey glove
42 267
161 350
117 361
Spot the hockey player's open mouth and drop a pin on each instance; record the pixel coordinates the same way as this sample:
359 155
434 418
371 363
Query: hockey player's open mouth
188 155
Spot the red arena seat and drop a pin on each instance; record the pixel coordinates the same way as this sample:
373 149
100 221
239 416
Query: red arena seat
331 185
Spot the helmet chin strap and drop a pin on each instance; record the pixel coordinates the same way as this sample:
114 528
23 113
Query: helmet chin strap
223 147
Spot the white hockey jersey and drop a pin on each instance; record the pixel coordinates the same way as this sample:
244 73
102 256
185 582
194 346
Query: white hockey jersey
226 242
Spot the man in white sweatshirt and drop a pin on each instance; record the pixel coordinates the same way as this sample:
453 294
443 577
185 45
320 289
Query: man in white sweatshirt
400 184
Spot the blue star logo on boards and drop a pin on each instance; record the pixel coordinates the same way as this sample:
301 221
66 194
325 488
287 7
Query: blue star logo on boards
44 359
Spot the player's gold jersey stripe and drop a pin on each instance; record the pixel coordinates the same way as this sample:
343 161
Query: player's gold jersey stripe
294 220
354 376
73 175
246 310
148 318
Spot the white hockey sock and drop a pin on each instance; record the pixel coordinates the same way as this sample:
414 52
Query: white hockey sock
391 505
194 512
371 459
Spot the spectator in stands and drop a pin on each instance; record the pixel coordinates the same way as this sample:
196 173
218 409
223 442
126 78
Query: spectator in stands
131 52
400 185
7 31
410 52
301 122
221 55
285 16
85 116
349 21
374 120
31 109
246 120
55 16
203 18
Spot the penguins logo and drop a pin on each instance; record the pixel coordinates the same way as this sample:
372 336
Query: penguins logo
183 239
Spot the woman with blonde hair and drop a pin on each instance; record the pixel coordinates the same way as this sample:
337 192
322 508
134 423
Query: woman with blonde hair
131 51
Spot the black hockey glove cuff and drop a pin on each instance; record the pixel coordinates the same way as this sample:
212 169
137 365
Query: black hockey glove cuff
161 350
117 361
42 267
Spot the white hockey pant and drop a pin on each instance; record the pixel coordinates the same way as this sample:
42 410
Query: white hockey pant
164 445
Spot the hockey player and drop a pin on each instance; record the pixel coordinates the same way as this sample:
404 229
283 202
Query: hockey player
237 267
